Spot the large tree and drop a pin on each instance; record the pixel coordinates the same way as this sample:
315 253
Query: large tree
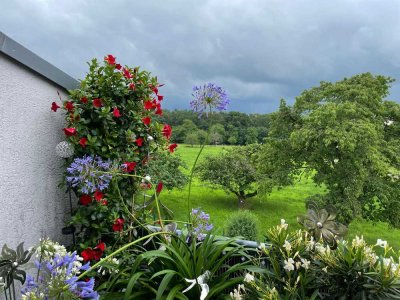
346 136
232 170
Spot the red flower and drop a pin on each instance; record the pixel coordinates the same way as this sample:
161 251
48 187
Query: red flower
104 202
118 66
167 131
83 142
84 100
172 147
139 141
160 98
127 74
148 105
101 246
54 107
158 111
69 106
85 200
110 59
98 195
129 166
87 254
70 131
97 254
118 224
132 86
146 121
97 102
159 187
116 112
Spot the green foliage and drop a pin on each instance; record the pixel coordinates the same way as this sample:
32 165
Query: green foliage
167 168
243 224
233 170
233 128
114 113
192 139
340 135
300 268
161 274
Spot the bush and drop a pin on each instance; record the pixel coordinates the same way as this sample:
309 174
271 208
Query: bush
244 224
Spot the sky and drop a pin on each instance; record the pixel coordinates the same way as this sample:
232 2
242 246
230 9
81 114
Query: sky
259 51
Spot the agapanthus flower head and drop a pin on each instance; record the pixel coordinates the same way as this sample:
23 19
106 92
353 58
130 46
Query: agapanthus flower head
200 224
209 97
87 174
58 273
64 149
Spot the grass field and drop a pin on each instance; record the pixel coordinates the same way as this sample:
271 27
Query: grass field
286 203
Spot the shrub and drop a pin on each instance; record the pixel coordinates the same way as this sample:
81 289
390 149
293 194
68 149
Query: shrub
244 224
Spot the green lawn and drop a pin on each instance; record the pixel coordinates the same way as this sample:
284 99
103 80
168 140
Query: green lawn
285 204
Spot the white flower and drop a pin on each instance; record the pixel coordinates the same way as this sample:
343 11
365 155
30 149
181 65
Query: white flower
358 242
284 225
248 278
325 269
150 138
388 122
262 246
147 178
287 246
305 263
381 243
64 149
289 264
336 160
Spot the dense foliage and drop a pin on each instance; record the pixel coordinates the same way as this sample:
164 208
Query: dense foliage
234 171
345 136
243 224
119 151
237 128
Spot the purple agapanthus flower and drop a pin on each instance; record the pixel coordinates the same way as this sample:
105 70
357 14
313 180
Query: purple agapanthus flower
58 273
85 173
209 97
200 225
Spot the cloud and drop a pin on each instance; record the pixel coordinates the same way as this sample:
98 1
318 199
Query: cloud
259 51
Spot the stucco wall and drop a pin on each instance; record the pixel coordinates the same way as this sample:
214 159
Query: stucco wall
31 204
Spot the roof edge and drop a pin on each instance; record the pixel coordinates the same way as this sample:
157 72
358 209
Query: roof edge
32 61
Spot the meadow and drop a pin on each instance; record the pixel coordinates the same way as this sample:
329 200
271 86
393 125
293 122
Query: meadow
286 203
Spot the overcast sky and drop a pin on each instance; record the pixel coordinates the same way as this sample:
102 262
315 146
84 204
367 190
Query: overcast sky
258 51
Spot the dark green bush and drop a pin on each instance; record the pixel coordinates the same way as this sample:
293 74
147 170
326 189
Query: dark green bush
243 224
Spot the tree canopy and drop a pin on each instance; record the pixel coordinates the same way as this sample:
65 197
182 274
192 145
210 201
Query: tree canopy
344 135
233 170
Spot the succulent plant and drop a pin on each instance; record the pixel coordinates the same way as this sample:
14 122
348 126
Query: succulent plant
322 225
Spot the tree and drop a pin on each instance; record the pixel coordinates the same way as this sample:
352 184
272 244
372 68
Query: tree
233 170
338 134
192 139
251 135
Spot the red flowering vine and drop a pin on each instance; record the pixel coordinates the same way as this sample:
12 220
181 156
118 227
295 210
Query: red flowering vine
167 131
70 131
54 106
83 142
97 102
118 224
116 112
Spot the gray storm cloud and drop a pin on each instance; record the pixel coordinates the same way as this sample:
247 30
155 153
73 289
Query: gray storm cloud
259 51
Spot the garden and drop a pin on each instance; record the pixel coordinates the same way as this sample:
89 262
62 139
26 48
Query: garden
281 219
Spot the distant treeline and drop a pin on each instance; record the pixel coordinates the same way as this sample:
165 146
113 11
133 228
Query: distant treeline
230 128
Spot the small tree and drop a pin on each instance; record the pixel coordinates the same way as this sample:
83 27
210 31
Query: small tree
192 139
233 170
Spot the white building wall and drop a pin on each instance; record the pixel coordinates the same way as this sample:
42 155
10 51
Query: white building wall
31 204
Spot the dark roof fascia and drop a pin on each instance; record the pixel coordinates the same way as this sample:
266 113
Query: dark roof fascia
29 59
